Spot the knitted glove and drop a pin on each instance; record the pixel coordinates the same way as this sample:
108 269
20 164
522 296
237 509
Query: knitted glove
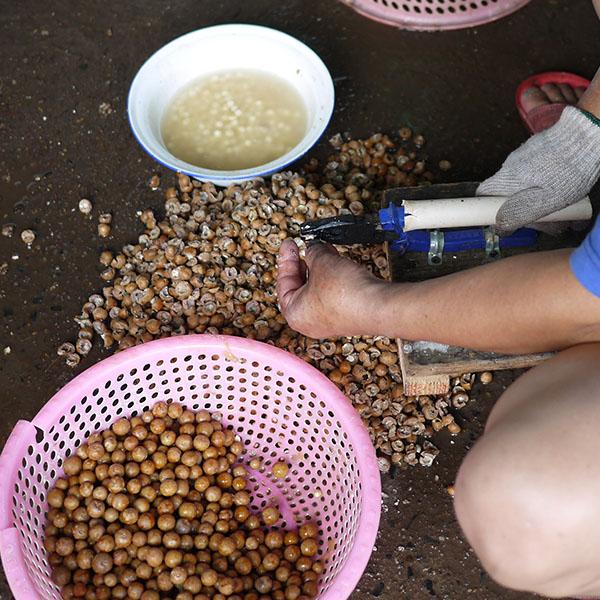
550 171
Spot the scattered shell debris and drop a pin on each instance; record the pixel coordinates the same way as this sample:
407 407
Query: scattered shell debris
105 109
85 206
28 236
154 182
8 230
486 378
207 263
104 225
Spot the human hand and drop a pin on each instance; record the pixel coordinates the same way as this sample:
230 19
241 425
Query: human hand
550 171
326 295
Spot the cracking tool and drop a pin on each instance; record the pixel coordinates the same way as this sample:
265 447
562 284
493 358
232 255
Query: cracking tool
434 225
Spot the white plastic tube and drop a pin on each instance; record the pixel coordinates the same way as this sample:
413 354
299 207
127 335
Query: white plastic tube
476 212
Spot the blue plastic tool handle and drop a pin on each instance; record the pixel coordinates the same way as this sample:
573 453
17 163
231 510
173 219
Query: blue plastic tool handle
392 218
458 240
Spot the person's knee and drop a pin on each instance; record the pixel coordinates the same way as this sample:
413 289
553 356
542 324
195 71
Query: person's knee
507 514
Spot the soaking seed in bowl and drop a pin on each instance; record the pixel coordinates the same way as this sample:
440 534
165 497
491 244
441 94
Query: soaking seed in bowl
234 120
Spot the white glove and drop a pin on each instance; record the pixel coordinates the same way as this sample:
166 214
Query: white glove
550 171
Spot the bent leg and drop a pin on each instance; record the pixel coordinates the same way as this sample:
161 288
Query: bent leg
528 493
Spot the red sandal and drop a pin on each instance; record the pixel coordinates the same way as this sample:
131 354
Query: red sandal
545 116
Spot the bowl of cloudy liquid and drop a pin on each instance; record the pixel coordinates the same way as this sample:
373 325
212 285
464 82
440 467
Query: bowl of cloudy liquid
230 103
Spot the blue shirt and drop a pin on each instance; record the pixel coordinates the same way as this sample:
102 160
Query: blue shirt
585 261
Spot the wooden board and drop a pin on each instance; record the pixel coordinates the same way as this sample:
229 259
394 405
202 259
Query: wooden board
428 367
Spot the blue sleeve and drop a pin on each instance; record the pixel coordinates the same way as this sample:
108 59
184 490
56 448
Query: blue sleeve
585 261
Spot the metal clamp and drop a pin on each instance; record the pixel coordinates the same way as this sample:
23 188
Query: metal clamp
436 247
492 243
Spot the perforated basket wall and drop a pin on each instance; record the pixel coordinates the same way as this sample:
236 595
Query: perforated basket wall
435 15
281 408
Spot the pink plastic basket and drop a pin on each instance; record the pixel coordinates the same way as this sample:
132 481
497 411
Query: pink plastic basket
435 15
281 407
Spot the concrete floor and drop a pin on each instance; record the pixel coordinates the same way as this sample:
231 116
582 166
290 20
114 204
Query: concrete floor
60 60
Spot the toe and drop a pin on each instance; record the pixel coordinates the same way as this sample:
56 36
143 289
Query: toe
568 93
579 92
553 92
534 97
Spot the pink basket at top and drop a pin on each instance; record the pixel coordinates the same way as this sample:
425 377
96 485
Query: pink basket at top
281 407
435 15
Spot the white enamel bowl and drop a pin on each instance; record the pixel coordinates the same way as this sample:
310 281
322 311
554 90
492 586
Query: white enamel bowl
220 48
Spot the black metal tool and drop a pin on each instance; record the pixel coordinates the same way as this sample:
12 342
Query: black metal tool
347 230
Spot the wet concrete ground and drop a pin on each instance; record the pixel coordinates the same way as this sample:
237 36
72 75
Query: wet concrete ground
65 68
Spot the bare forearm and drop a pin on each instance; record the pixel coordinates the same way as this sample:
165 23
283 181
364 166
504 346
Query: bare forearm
590 100
529 303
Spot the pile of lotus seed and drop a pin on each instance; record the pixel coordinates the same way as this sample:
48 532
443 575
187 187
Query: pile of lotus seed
206 262
157 506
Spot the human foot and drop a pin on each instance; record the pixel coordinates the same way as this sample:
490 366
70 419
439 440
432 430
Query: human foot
542 98
550 93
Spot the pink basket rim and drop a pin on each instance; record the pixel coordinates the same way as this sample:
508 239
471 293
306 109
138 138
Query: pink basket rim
425 22
346 580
